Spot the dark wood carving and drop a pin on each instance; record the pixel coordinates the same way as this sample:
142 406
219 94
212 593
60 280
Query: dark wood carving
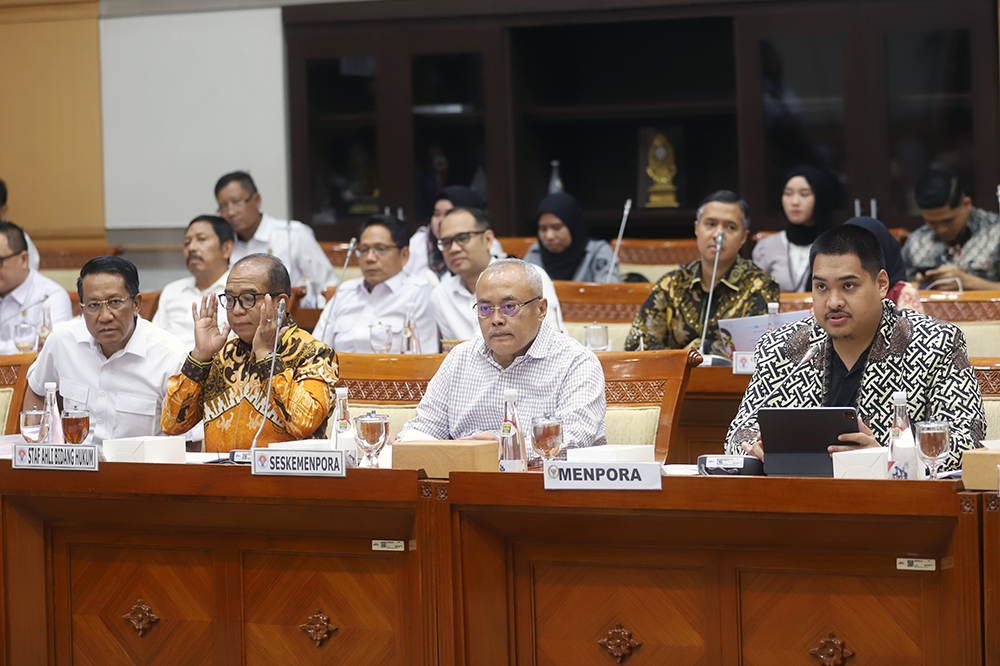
993 502
831 651
619 643
425 490
632 392
141 617
968 503
318 627
620 313
442 492
385 390
989 380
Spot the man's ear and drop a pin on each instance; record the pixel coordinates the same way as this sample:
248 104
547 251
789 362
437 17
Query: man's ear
405 255
543 308
489 236
882 281
227 249
137 304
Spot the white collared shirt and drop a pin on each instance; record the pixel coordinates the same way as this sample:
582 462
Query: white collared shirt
557 375
26 295
295 244
346 327
124 393
456 318
418 264
173 312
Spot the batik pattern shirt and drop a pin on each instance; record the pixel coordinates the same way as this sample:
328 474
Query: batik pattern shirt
924 356
674 313
976 256
229 393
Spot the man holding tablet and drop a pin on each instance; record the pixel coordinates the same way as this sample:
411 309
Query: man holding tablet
857 350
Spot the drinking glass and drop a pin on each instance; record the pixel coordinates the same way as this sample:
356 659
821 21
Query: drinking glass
25 337
76 425
595 337
34 425
381 338
932 443
546 436
372 431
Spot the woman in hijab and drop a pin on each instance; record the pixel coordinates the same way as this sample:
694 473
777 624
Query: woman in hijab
564 248
808 201
901 292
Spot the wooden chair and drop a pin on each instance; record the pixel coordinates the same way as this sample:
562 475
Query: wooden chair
517 246
73 257
988 375
391 383
13 385
614 305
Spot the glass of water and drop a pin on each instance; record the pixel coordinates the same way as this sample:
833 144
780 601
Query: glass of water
25 337
933 443
372 431
546 436
595 337
380 338
34 425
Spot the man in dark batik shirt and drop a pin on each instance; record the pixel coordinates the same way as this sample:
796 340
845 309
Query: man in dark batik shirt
674 314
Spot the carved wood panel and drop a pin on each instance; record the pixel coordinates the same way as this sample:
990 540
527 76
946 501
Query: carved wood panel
384 390
105 582
631 392
602 312
359 595
784 615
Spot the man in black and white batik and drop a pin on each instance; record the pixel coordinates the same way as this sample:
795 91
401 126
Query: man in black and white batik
863 350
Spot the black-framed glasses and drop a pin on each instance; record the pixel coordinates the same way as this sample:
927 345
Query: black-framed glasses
247 299
462 239
114 305
506 309
380 250
235 205
11 256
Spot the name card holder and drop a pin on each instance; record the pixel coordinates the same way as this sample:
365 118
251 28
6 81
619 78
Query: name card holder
71 457
289 462
564 475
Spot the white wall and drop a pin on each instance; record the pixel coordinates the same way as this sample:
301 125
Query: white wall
187 98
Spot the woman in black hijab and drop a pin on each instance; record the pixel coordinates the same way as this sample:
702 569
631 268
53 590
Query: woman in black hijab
564 248
808 201
901 292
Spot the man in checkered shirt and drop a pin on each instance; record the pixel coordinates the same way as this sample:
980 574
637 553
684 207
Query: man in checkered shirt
553 373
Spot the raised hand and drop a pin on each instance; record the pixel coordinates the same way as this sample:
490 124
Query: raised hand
208 339
263 338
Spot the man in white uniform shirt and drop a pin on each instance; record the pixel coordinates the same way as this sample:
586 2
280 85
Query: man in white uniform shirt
519 349
289 240
111 362
24 292
34 259
208 244
466 238
380 296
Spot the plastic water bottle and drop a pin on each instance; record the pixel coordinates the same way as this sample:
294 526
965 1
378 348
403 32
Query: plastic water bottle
411 343
903 461
343 428
772 316
513 456
55 435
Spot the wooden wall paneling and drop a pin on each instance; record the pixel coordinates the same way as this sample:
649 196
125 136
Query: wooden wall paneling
990 508
961 580
483 637
434 555
25 638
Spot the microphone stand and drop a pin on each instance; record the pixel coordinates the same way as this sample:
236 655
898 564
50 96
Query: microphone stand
270 375
343 272
712 359
621 232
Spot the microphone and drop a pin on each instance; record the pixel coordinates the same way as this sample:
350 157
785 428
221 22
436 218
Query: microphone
326 323
712 359
621 232
270 375
24 309
810 353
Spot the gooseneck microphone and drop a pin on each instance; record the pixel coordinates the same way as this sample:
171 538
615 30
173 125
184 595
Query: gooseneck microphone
270 375
712 359
21 311
326 323
621 232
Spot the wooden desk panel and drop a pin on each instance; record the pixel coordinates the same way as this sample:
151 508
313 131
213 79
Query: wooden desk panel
713 395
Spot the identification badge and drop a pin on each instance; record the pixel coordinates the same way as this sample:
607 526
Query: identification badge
77 457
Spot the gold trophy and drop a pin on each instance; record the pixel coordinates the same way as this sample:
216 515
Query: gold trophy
661 168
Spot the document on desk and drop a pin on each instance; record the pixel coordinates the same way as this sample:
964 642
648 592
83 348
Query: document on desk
741 334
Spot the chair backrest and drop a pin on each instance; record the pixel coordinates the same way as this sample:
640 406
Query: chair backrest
604 303
657 251
13 384
517 246
651 379
391 383
966 306
988 375
73 257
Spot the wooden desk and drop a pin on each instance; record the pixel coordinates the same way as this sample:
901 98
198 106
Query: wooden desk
710 403
494 571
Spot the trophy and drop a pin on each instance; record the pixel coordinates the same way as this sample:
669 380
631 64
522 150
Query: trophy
661 168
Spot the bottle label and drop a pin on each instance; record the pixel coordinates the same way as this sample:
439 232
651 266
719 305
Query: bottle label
507 428
513 466
343 425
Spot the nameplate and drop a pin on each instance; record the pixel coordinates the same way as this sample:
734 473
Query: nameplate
564 475
288 462
55 456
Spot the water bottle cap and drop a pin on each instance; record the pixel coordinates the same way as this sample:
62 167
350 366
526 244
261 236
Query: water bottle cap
50 386
341 392
772 308
510 394
899 398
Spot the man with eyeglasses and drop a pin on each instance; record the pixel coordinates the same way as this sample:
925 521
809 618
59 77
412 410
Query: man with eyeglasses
466 238
257 232
519 349
25 293
380 296
112 363
34 259
224 380
208 244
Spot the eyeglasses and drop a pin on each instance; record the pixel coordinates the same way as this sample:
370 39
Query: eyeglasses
11 256
379 250
114 305
247 299
462 239
506 309
235 205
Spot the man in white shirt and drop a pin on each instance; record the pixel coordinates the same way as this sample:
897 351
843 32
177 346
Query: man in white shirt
34 259
380 296
111 362
289 240
466 238
25 293
519 349
208 244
